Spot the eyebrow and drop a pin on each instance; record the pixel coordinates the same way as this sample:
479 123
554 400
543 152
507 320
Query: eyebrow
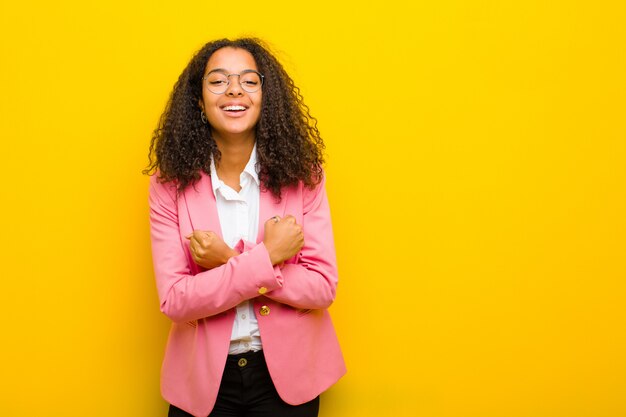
225 71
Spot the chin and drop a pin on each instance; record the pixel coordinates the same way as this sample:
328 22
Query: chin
235 131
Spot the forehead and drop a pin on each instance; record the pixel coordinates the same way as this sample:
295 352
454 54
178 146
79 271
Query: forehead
232 60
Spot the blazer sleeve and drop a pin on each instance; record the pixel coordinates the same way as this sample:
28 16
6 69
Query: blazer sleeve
185 295
311 282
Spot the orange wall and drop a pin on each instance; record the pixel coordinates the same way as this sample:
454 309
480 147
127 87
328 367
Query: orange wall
476 172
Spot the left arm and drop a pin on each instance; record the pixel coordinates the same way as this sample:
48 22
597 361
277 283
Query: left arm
311 282
308 283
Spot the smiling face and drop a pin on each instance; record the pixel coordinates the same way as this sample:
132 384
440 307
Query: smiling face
234 113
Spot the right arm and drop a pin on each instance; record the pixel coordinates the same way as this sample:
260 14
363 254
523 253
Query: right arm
185 296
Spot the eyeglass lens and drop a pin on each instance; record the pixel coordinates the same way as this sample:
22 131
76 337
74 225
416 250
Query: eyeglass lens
218 82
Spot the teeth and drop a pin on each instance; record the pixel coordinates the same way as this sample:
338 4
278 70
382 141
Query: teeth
234 108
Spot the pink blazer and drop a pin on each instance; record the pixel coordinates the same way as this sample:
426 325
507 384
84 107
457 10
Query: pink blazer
299 341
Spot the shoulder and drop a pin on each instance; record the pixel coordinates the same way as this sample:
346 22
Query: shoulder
313 197
164 191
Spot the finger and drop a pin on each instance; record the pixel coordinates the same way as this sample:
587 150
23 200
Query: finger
202 241
276 219
208 237
194 235
198 253
195 243
211 238
200 232
201 238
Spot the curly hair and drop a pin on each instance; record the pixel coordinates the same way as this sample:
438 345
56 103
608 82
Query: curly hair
289 146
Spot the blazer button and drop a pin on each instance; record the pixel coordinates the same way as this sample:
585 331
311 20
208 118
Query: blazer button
262 290
265 311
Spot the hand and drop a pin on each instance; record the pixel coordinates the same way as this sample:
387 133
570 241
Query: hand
283 238
209 250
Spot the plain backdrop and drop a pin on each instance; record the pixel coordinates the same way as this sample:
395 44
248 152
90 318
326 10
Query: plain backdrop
476 164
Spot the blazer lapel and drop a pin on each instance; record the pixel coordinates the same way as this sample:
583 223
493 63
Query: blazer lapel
202 207
269 207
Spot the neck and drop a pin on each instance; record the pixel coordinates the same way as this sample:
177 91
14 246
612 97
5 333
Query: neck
236 153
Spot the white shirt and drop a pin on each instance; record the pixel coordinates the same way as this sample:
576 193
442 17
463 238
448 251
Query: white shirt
239 219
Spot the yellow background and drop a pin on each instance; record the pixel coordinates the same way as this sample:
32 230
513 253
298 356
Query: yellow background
476 172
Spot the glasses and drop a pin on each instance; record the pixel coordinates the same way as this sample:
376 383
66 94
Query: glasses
218 81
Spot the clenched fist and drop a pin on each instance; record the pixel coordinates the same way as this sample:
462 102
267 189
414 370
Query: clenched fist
283 238
209 250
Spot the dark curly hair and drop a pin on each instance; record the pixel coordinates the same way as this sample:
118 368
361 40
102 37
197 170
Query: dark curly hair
289 146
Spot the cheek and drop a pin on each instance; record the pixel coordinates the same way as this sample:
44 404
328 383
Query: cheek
257 117
208 101
258 101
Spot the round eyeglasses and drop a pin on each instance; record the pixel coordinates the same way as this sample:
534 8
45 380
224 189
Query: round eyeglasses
217 81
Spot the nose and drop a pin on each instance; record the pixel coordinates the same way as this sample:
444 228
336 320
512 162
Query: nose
234 88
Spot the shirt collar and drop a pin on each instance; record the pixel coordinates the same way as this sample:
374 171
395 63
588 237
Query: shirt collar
250 169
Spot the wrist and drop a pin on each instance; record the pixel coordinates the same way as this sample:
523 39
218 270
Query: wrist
231 254
270 252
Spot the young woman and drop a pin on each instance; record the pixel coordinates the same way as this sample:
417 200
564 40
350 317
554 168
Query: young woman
242 241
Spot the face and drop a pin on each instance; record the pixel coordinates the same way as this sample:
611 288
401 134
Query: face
235 112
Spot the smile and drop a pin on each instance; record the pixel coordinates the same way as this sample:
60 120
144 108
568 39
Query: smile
234 108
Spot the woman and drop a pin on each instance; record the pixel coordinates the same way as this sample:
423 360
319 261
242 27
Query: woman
241 240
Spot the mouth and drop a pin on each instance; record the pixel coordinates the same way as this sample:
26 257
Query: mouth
234 109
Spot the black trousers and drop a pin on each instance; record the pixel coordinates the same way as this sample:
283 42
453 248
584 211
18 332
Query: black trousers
247 390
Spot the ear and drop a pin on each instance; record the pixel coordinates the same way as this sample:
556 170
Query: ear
201 104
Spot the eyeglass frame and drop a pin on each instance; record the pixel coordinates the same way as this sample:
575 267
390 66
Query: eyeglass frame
246 71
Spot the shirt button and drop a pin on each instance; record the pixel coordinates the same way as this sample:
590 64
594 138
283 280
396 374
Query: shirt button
243 316
262 290
247 345
265 311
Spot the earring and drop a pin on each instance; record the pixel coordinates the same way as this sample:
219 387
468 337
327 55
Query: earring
203 117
